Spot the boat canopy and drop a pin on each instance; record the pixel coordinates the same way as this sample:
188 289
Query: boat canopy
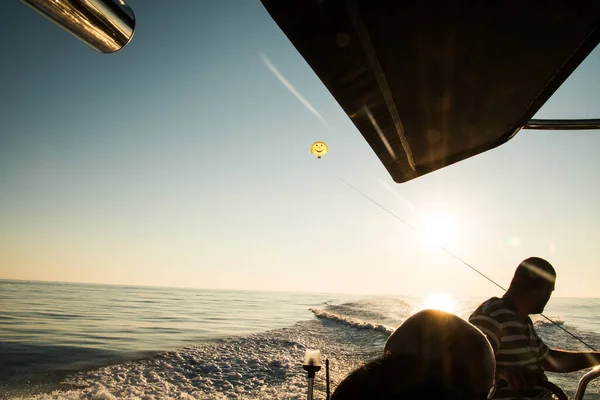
430 83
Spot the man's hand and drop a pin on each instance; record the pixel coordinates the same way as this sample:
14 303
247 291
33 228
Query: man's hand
520 378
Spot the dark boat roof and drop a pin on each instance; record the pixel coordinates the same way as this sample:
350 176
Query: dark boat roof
430 83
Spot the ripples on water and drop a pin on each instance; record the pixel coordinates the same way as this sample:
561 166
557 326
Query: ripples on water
92 341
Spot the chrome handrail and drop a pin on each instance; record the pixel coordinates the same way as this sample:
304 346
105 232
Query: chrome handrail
105 25
587 378
563 124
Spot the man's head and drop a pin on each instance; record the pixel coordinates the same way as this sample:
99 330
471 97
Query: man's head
455 350
533 284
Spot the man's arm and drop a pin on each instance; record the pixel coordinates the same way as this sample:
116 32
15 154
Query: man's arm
569 361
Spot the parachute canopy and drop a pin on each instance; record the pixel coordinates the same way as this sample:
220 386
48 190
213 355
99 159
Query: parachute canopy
319 149
429 83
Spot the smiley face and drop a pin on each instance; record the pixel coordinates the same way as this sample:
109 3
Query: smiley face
319 149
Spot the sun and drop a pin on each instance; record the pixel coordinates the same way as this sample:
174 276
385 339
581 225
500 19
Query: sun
438 301
439 229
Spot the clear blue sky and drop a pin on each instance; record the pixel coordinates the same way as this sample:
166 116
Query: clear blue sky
183 161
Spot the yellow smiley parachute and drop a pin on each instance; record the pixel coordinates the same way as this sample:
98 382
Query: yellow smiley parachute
319 149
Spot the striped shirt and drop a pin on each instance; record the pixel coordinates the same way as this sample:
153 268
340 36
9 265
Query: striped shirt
515 342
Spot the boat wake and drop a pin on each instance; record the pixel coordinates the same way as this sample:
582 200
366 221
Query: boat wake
354 323
260 366
544 322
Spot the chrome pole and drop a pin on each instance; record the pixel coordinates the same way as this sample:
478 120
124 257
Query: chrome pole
563 124
587 378
105 25
311 385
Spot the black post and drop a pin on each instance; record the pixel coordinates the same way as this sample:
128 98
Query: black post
327 377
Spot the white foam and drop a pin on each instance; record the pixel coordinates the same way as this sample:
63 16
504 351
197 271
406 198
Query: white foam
261 366
103 394
355 323
544 322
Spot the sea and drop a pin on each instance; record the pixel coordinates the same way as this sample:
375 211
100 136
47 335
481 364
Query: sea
104 342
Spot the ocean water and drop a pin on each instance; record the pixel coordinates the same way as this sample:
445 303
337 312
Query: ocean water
79 341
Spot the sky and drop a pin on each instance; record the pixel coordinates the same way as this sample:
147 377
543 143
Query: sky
183 160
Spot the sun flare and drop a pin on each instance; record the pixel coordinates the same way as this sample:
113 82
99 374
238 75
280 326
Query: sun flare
439 229
438 301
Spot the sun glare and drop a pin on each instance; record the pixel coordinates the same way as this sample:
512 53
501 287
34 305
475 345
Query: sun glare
439 229
438 301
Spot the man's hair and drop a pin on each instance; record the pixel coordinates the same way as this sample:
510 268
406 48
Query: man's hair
397 377
533 272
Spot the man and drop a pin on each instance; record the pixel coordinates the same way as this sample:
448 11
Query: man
433 354
521 356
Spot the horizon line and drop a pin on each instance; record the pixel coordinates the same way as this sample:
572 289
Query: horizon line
257 290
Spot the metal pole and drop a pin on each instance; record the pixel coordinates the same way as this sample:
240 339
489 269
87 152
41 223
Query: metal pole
593 374
563 124
327 377
311 384
105 25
